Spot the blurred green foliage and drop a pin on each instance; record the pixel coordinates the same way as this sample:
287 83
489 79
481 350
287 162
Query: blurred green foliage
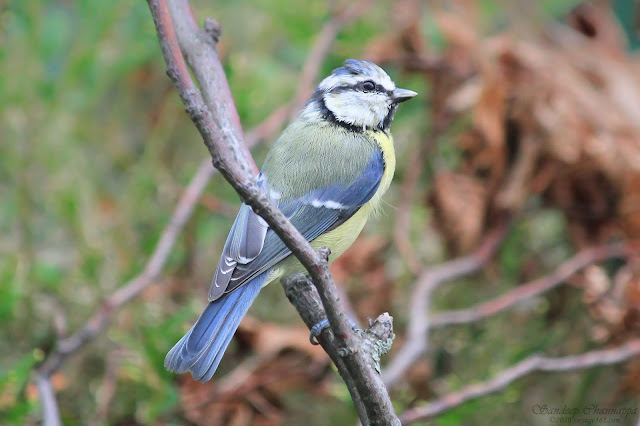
95 152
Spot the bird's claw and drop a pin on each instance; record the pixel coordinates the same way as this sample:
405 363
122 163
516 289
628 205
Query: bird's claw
317 329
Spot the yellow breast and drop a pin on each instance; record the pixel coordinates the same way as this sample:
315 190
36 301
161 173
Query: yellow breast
341 238
385 142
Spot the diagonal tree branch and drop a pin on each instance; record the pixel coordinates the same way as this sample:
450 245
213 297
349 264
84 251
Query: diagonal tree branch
536 287
534 363
223 139
378 337
129 290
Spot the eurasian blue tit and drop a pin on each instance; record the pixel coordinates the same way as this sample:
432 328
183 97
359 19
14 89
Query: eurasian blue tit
327 173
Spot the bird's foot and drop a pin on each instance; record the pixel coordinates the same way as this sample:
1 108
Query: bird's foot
317 329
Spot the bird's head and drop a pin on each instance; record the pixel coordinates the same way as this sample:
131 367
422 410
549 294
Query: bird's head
358 95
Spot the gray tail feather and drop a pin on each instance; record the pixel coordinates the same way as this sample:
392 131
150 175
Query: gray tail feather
201 349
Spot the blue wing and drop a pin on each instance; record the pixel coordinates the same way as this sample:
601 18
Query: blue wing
253 248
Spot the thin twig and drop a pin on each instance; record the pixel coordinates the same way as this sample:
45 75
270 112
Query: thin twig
132 288
50 413
536 287
622 353
223 139
417 333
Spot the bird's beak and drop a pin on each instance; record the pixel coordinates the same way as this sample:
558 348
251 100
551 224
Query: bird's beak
401 95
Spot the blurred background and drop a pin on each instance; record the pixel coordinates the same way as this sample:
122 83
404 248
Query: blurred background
525 139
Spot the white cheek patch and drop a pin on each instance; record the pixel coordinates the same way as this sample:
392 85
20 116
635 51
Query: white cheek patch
357 108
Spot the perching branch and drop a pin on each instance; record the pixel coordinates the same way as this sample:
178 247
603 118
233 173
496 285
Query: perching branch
376 339
417 332
217 123
622 353
536 287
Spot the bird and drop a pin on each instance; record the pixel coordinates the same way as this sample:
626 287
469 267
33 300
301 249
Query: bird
327 173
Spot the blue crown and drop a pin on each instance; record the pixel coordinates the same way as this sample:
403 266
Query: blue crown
358 67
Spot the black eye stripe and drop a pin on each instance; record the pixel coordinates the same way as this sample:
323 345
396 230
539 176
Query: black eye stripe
358 87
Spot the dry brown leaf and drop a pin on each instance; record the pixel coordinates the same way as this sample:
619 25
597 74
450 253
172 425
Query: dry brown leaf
460 206
557 115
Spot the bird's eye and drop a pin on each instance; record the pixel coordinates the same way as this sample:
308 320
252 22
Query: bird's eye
368 86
